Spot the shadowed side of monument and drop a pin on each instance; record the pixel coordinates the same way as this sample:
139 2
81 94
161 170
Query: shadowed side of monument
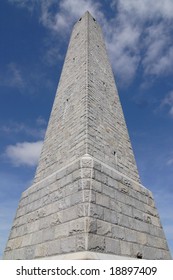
87 201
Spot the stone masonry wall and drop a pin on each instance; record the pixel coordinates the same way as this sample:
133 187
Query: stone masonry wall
107 132
87 194
86 206
87 117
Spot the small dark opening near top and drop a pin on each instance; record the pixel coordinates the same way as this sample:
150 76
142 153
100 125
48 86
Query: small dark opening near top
94 19
80 19
67 100
114 153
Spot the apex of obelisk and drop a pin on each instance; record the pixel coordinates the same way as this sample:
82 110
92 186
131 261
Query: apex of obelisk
87 14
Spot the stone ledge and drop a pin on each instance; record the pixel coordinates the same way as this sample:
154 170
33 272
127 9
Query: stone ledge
86 255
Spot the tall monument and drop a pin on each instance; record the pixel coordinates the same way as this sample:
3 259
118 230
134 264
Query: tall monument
87 201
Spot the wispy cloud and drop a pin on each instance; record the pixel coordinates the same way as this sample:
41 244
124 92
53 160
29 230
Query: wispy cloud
170 161
65 12
36 130
12 76
151 46
143 9
29 4
139 35
168 102
26 153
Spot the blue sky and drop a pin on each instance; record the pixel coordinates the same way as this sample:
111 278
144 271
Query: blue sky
34 35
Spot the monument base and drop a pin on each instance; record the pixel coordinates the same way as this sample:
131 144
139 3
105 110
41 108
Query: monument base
87 210
86 255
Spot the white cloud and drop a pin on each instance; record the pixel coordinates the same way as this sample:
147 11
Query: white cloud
65 13
147 9
122 41
25 153
159 52
168 102
151 22
138 35
36 130
12 76
170 161
29 4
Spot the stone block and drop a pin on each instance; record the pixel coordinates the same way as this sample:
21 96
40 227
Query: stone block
97 186
118 232
86 173
110 216
112 246
60 174
137 251
76 175
139 226
77 226
138 215
104 228
157 242
141 238
14 243
70 214
72 188
108 191
86 162
96 211
123 220
68 244
85 184
53 247
102 200
83 210
130 235
96 243
81 242
151 211
61 230
126 209
28 252
97 165
116 206
91 225
97 175
26 240
74 166
47 249
122 197
76 198
112 183
125 248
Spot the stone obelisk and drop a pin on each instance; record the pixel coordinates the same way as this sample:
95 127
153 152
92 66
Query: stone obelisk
87 201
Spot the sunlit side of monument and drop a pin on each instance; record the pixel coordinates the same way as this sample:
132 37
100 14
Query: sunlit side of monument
87 201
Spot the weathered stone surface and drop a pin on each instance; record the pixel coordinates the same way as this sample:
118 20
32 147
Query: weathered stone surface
112 246
86 195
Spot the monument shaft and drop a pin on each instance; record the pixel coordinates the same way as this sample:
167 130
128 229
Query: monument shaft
87 201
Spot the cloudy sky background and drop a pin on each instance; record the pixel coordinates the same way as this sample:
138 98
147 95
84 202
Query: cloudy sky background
34 36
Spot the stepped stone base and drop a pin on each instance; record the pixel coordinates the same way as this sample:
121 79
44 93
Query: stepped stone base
87 210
